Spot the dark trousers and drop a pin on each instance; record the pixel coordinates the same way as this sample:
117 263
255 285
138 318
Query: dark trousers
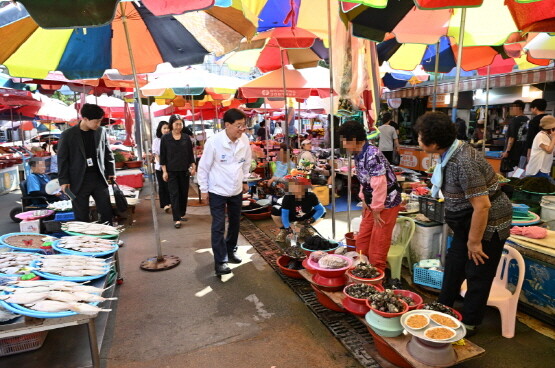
178 187
93 185
388 155
163 191
479 278
218 205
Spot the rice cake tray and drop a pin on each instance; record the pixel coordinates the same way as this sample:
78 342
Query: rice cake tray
460 331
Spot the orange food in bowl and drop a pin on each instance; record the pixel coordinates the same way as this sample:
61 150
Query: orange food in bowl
443 320
439 333
417 321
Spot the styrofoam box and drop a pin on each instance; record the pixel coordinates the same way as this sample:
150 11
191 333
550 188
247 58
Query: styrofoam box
32 226
425 243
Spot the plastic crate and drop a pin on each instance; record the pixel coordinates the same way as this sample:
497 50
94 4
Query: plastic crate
52 226
427 277
64 216
431 208
21 344
520 209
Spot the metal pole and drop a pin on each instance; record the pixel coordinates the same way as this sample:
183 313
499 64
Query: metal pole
332 128
375 76
436 72
287 139
459 60
93 343
349 178
486 116
300 123
160 262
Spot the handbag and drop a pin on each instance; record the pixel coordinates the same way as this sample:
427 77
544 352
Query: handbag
121 201
507 165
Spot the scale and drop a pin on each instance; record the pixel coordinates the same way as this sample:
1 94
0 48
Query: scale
427 351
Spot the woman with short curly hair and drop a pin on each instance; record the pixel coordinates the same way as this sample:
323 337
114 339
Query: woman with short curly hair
476 209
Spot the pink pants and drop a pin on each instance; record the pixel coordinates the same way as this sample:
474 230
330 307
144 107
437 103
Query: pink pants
374 241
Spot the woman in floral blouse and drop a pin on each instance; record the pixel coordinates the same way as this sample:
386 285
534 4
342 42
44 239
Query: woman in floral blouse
380 194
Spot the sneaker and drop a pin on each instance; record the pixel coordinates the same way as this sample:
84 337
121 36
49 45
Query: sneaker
280 238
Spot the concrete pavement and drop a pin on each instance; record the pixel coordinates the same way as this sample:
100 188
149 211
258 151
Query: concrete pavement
187 317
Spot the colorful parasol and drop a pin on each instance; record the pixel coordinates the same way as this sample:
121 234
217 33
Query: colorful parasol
87 52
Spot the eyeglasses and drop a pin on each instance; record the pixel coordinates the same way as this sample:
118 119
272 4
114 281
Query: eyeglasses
241 126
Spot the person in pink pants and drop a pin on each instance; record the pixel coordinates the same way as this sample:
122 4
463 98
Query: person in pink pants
380 194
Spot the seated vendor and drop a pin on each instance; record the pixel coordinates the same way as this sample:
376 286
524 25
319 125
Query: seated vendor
299 205
37 180
306 152
279 167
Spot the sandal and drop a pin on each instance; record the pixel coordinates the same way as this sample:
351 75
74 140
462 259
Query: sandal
167 209
183 219
177 225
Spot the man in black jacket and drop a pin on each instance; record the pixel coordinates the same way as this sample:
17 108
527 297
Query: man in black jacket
85 164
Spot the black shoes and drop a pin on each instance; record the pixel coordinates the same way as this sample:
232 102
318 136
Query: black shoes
232 258
222 269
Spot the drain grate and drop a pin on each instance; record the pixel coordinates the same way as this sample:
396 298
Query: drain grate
344 326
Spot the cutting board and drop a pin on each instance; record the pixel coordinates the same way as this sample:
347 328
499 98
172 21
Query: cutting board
548 242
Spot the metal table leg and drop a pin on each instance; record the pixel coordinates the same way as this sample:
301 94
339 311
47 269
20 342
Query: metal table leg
95 355
118 268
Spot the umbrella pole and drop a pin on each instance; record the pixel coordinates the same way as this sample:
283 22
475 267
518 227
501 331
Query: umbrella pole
436 72
288 140
332 128
349 180
459 61
486 123
160 262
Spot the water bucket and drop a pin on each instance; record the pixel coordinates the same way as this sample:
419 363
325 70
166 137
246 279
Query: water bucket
548 211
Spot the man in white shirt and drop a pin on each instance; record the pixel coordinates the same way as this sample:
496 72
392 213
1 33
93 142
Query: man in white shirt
389 140
223 167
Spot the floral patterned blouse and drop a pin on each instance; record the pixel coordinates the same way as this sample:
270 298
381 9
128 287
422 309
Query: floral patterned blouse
371 162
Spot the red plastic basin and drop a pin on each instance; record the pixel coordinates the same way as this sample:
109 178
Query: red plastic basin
282 263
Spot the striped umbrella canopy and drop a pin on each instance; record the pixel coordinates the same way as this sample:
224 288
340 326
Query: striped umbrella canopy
408 56
28 50
239 15
300 84
190 81
265 53
411 24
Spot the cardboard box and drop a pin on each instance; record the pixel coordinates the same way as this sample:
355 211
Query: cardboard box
32 226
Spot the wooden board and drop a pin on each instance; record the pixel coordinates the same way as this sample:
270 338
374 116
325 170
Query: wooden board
529 245
464 352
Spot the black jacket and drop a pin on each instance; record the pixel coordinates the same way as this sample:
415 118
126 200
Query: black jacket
72 163
176 155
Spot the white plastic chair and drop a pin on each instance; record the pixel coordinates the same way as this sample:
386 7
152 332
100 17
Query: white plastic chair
500 296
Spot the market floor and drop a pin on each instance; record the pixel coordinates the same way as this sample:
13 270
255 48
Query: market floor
187 317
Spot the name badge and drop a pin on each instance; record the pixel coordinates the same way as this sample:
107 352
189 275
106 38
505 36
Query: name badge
89 162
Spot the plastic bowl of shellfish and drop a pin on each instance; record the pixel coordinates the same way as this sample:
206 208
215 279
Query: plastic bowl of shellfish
402 306
362 280
356 292
332 261
416 299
